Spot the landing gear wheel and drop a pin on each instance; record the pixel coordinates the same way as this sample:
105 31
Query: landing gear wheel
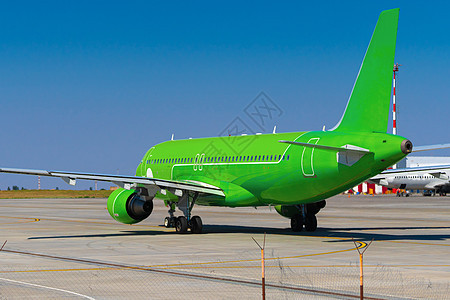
181 225
311 223
196 224
321 204
167 222
297 223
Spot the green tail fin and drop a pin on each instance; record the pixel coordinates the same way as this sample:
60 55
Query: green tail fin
368 106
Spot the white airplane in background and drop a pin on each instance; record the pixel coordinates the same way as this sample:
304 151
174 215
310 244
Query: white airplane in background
434 178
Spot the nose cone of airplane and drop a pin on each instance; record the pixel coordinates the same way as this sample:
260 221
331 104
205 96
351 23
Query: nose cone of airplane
406 146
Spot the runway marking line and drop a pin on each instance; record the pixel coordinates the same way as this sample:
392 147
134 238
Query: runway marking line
418 243
287 266
61 270
193 275
32 220
221 267
76 221
386 241
362 245
46 287
28 220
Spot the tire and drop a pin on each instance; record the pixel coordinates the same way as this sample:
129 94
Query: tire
321 204
310 223
167 222
312 208
181 225
196 225
297 223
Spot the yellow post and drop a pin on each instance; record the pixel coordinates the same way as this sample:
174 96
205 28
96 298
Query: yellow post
361 280
361 276
263 275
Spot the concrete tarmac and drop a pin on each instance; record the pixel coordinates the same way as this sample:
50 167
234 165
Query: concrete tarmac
72 248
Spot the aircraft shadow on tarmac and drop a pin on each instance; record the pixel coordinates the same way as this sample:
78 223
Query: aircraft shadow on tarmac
344 233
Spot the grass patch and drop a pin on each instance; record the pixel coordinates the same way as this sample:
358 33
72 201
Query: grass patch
26 194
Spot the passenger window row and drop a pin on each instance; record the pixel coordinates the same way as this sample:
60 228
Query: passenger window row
219 159
413 176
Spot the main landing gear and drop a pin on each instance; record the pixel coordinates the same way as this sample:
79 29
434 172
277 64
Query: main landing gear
306 216
187 222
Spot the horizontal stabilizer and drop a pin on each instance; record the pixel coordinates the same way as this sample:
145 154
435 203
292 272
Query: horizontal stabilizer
431 147
346 148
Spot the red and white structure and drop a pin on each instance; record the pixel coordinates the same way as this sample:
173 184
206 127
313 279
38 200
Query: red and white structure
394 106
394 110
371 188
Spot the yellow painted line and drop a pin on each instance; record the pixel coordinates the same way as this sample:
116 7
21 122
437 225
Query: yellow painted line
26 228
219 267
417 243
362 245
93 222
258 266
61 270
15 223
386 241
27 220
49 207
32 220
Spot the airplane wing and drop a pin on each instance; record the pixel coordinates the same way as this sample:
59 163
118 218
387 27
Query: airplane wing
432 169
440 175
430 147
122 181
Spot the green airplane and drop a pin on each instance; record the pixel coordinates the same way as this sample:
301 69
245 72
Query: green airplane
293 172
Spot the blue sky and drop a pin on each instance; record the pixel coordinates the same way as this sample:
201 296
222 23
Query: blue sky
91 85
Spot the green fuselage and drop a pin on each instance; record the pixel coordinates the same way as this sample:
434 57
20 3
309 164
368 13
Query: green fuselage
257 170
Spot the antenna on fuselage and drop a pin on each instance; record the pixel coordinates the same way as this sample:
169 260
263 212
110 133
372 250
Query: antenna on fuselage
274 129
172 137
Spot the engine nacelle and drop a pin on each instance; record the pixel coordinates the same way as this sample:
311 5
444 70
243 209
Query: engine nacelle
126 206
287 211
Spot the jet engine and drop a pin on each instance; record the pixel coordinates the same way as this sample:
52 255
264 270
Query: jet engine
128 207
